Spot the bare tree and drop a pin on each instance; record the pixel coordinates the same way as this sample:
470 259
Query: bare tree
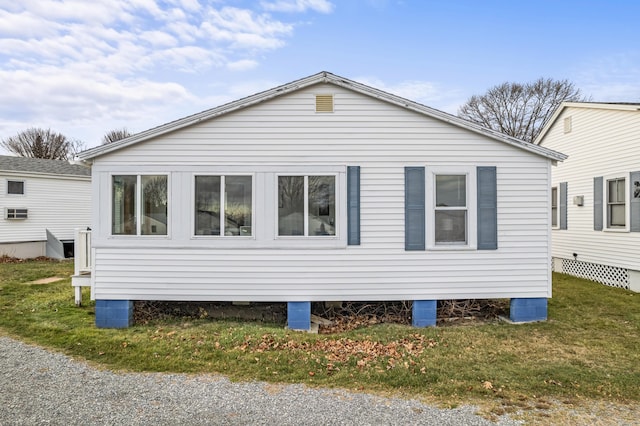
519 110
41 143
115 135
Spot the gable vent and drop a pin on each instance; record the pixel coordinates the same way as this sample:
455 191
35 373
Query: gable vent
567 125
324 103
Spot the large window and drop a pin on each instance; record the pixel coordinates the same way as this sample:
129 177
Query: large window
306 205
616 210
223 205
451 209
139 205
15 187
554 207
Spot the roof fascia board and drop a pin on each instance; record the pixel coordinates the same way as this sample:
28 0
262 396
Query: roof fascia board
597 105
18 173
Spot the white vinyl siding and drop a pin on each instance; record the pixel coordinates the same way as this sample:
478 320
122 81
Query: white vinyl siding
285 136
602 143
58 204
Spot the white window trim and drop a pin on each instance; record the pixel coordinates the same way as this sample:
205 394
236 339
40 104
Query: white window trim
24 188
339 214
605 202
472 202
557 188
138 233
223 175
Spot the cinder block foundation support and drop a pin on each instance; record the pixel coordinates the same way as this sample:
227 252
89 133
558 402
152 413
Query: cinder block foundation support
424 313
299 315
114 313
528 309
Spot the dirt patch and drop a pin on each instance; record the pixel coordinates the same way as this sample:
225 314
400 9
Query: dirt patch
47 280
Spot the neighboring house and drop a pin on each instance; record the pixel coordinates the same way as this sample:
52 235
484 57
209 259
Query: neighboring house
596 192
323 189
42 202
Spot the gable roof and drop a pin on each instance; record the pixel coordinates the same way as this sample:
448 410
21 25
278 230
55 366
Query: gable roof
620 106
321 77
42 166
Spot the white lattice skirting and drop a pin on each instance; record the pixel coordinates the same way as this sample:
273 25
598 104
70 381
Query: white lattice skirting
608 275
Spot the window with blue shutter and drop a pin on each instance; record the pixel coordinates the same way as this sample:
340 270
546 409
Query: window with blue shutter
414 209
353 205
487 208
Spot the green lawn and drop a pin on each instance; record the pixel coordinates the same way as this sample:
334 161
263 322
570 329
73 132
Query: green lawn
588 350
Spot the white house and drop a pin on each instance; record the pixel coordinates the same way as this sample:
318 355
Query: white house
322 189
596 192
42 202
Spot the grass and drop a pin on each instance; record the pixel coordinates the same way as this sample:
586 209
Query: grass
587 352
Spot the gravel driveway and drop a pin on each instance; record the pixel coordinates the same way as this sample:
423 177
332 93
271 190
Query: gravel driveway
39 387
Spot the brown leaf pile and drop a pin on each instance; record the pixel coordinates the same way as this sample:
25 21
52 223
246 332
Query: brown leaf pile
342 350
8 259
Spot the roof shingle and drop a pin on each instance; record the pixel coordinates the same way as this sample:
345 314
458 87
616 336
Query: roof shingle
39 165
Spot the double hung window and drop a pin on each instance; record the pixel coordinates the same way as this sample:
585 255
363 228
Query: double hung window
616 203
307 205
451 219
139 204
223 205
450 208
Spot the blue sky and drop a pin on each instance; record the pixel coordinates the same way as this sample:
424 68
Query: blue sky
83 68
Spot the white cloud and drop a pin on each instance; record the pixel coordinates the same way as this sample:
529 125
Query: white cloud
159 39
243 28
612 78
322 6
24 25
424 92
72 63
242 65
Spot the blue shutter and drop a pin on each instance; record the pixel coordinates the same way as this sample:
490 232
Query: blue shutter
414 215
563 205
597 203
634 196
353 205
487 208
